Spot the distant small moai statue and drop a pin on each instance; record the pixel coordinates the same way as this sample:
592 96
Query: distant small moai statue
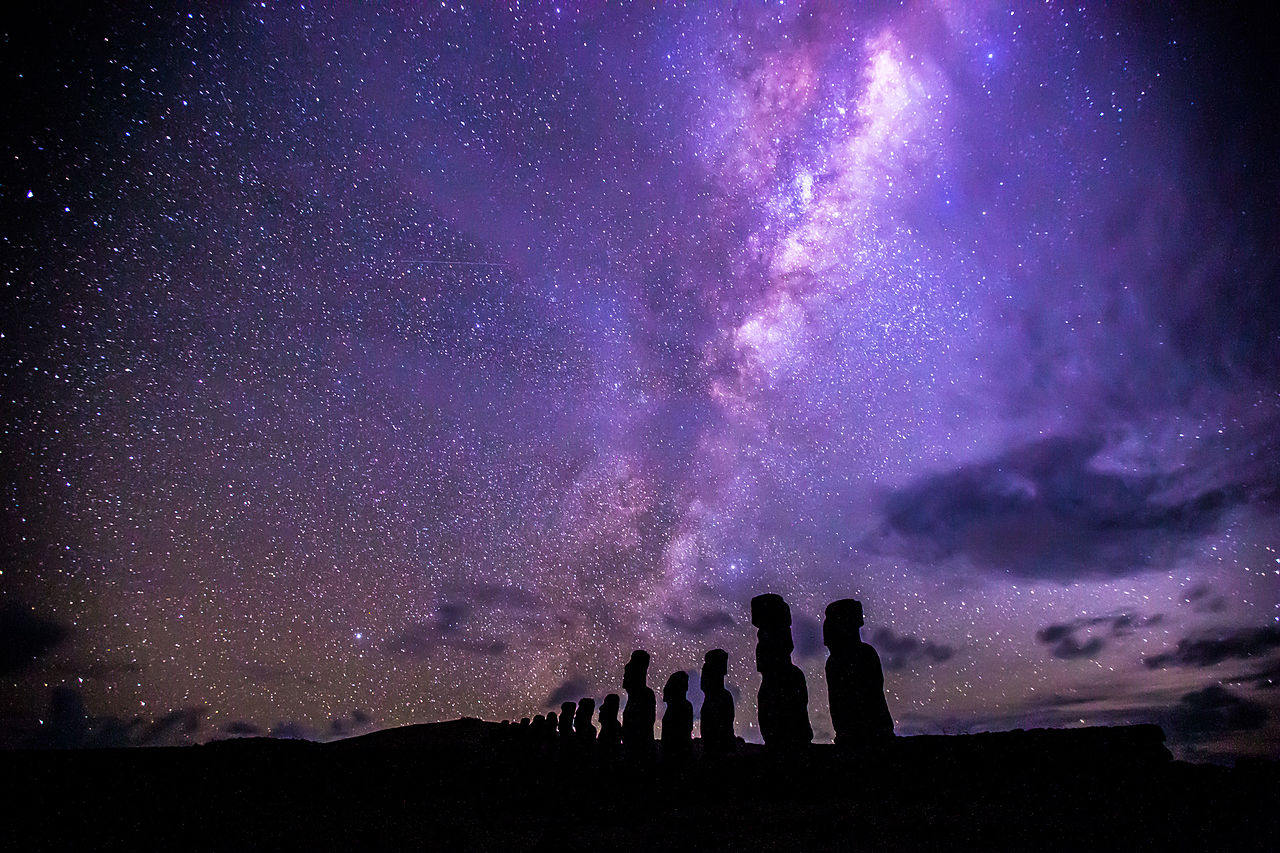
641 710
583 729
610 728
677 721
784 697
547 737
565 727
855 680
717 704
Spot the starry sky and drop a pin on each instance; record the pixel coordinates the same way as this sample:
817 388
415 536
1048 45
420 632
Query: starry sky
372 366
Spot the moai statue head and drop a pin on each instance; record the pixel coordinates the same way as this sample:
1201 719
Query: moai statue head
677 687
715 667
636 671
841 625
552 722
770 611
609 707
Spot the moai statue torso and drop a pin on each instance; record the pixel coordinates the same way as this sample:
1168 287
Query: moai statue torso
855 679
677 722
717 704
784 697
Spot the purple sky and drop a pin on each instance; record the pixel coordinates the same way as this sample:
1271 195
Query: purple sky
424 362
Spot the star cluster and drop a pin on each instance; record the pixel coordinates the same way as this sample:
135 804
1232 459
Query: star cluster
369 366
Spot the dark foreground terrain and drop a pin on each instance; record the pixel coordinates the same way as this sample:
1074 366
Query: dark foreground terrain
477 786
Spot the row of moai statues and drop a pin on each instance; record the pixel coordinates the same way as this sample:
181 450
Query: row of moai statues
855 687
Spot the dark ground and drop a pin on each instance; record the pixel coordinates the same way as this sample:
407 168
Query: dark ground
475 786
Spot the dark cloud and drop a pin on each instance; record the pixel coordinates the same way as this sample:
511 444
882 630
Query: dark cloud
350 724
700 624
445 630
1215 710
570 690
25 636
1085 637
1064 644
1207 651
1266 678
1042 511
240 728
292 730
71 726
906 652
1203 600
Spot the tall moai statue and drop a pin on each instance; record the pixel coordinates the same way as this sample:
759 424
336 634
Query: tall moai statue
641 710
717 704
677 722
784 697
610 728
567 710
583 730
855 679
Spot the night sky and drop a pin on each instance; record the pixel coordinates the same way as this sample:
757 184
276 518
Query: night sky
365 367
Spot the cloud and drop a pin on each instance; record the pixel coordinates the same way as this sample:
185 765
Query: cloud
700 624
1207 651
1066 645
1043 511
445 630
292 730
1215 710
906 652
24 637
570 690
239 728
1065 641
1202 599
1266 678
71 726
350 724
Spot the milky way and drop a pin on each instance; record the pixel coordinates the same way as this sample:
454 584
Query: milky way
368 367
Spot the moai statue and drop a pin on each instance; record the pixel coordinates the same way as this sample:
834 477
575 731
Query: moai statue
610 728
717 705
566 719
855 680
641 710
784 697
582 726
677 722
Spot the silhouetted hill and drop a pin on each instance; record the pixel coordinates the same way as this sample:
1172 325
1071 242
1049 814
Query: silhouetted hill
469 784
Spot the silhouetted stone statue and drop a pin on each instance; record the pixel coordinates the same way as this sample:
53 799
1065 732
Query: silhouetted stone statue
641 710
610 728
784 697
717 704
855 680
566 719
677 721
582 727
